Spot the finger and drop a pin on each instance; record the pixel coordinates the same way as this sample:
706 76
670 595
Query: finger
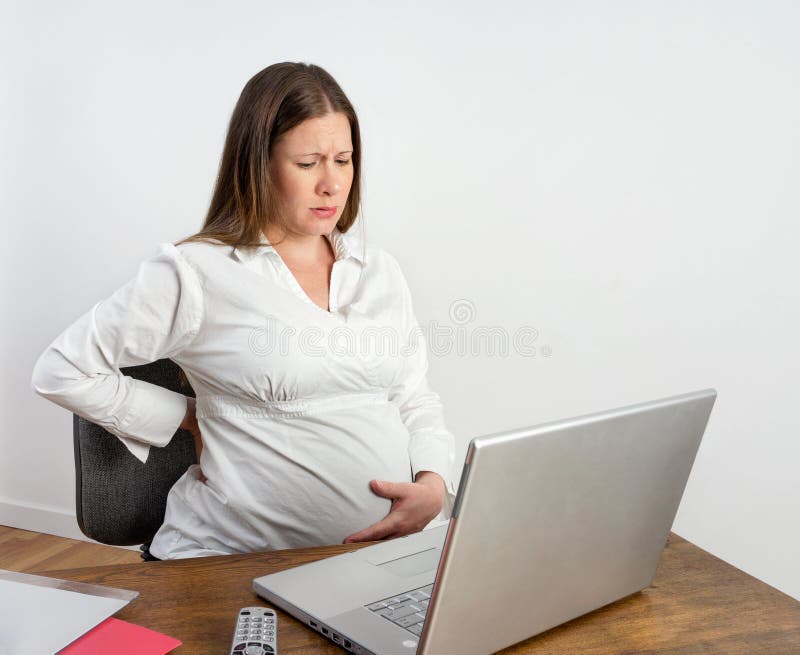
389 537
379 530
386 489
370 534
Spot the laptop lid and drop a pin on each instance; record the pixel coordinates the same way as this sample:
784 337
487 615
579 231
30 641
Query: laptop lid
554 521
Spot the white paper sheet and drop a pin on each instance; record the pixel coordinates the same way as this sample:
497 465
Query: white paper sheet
41 616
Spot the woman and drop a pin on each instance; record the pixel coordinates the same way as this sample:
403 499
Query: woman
313 419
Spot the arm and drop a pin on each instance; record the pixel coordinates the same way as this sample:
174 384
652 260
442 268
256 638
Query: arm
431 447
155 315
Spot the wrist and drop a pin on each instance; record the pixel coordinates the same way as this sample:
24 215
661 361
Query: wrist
432 480
189 417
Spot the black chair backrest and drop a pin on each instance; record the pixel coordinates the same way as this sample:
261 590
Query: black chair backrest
120 500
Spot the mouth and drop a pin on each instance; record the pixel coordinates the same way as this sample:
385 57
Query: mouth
324 212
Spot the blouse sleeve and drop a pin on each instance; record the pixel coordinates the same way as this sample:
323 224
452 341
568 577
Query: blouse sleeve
431 446
154 316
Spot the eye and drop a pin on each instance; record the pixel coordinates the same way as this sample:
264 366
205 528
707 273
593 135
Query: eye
304 166
343 162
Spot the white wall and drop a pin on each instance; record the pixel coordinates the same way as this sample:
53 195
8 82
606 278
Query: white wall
620 176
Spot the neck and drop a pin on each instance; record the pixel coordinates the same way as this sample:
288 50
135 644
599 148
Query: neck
299 247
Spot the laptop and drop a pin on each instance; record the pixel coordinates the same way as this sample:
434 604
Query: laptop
550 522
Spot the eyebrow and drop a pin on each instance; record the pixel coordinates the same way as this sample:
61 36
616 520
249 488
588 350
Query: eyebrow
308 154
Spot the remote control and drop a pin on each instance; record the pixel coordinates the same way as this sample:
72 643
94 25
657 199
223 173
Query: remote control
256 632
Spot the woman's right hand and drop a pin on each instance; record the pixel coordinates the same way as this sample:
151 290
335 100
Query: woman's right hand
190 423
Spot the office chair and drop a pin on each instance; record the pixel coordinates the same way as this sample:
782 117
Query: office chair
120 500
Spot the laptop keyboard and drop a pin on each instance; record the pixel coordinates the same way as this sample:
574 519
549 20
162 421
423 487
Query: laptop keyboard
406 610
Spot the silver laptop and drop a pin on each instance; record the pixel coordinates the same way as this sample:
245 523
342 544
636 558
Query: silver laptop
550 522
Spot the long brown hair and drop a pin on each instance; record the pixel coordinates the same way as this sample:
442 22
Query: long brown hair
280 97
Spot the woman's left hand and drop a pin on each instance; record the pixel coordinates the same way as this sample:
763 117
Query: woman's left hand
414 505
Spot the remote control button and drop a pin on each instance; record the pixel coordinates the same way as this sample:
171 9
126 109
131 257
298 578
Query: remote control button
254 649
239 647
244 612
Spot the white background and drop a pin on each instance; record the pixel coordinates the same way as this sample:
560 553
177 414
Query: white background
621 176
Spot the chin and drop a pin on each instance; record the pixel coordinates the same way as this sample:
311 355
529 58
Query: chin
320 227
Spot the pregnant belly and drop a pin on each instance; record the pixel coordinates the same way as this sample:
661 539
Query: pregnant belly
305 481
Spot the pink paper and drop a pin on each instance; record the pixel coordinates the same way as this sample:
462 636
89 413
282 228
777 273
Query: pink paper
121 638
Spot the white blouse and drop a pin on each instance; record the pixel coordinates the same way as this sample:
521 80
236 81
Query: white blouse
298 407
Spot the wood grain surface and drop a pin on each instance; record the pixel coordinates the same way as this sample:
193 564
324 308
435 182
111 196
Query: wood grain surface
697 604
29 552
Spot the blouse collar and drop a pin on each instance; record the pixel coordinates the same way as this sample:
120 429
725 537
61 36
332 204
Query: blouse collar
344 245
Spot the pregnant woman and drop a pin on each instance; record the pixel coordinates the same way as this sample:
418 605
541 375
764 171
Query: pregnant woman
313 420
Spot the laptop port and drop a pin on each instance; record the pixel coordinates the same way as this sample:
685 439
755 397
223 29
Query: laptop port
313 624
324 631
347 644
336 638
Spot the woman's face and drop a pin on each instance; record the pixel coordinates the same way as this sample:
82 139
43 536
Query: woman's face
312 168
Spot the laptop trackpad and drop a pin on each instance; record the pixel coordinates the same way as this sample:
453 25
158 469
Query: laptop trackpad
415 564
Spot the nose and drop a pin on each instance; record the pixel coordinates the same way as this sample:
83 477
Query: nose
330 182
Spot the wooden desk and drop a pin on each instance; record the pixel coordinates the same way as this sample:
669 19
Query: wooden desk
697 604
